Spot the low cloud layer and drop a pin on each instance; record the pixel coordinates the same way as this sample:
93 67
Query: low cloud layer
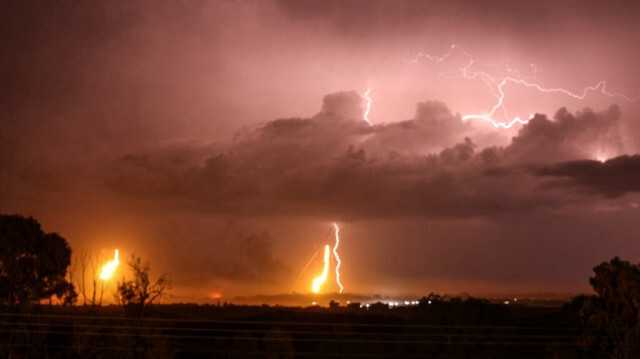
335 164
613 178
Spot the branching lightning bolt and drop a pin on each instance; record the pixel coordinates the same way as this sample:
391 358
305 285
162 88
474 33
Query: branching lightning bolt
335 254
367 108
496 86
318 281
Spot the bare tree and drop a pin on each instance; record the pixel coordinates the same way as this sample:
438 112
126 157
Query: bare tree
137 294
84 275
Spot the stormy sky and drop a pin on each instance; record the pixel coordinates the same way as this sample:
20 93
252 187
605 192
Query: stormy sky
221 139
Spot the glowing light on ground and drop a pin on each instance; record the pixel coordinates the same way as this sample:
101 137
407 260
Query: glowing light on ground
601 155
110 267
319 280
367 108
497 87
335 254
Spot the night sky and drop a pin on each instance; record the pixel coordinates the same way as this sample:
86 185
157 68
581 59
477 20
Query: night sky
221 139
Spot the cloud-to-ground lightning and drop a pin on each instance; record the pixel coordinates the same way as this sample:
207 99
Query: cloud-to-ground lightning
319 280
367 107
110 267
335 254
497 87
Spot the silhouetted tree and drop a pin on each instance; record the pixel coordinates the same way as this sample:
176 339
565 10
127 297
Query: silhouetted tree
139 293
33 264
613 313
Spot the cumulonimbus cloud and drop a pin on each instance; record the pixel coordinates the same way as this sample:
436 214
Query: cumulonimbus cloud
334 164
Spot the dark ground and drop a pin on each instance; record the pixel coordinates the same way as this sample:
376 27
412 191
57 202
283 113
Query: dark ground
451 328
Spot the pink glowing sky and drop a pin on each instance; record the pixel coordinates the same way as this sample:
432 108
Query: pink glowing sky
221 139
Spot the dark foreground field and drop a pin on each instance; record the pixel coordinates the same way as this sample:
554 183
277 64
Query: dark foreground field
454 328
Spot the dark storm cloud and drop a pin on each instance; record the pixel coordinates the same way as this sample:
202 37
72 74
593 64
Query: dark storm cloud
335 164
613 178
331 163
568 136
433 127
367 16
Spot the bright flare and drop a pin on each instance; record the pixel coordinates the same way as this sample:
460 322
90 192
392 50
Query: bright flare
319 280
109 268
335 254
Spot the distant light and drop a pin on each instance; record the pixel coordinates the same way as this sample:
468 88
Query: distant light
506 302
406 302
314 303
429 302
